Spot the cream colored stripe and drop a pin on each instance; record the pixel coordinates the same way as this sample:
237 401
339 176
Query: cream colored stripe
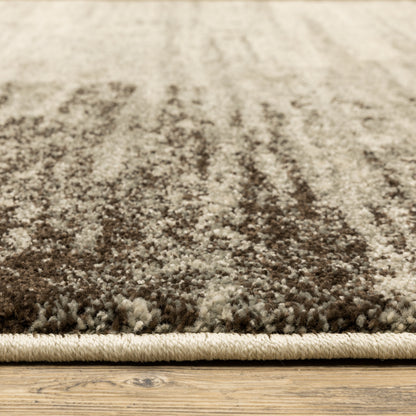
209 346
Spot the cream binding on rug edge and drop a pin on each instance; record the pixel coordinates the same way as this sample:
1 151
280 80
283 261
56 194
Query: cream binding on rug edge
204 346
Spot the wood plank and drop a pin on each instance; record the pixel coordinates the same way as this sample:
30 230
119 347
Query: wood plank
204 388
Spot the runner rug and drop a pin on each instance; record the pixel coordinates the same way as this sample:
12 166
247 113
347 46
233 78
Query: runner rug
185 180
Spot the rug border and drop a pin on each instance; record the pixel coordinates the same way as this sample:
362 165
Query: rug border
204 346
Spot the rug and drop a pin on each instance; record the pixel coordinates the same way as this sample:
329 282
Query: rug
207 180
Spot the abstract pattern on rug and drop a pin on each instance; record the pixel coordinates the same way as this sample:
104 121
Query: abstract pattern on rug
213 186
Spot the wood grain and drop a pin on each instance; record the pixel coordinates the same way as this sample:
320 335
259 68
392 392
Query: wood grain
220 389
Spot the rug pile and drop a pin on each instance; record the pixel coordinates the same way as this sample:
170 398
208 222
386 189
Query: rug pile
183 181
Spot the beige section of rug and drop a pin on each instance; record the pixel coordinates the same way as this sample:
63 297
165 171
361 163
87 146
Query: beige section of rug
205 176
195 347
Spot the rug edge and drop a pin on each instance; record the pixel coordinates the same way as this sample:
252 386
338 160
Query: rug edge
204 346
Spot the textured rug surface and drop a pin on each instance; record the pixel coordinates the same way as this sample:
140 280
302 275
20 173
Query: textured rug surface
229 168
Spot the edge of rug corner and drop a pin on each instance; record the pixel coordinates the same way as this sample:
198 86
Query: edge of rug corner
204 346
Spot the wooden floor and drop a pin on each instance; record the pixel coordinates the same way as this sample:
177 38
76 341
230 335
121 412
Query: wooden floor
289 388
